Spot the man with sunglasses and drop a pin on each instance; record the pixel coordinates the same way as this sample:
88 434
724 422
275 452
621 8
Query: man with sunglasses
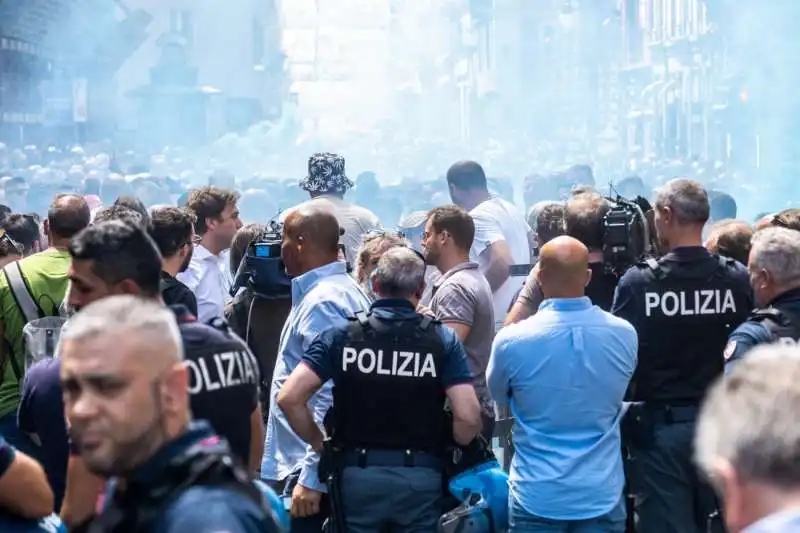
774 267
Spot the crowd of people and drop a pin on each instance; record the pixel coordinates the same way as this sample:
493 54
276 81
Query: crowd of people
144 389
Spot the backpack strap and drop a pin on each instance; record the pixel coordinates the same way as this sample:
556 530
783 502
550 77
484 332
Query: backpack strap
21 293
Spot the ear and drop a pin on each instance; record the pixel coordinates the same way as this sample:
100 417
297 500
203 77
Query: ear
46 227
588 277
174 389
128 286
727 481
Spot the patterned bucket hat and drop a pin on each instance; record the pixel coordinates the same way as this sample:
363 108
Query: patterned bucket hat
326 175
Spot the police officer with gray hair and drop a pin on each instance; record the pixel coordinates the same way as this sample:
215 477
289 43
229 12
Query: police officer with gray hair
775 277
683 306
393 372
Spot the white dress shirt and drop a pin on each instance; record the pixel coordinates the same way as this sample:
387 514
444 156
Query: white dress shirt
206 280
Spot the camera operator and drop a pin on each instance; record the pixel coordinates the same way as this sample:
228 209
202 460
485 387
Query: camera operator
126 396
683 307
583 220
255 318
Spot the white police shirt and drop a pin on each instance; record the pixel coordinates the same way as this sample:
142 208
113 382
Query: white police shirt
498 220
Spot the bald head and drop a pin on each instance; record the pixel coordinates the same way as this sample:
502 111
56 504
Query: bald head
67 216
564 268
318 228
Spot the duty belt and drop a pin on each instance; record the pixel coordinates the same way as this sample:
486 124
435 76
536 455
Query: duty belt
363 458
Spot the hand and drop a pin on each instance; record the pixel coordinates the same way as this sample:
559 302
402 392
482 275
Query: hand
421 309
305 501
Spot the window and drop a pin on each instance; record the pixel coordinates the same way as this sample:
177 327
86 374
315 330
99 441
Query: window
180 23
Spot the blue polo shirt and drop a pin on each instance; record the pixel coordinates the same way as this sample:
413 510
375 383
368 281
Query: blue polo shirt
564 372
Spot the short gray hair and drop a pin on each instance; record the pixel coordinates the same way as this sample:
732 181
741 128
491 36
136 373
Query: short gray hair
125 313
687 199
749 419
400 273
777 250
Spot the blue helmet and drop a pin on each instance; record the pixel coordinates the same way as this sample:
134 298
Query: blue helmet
276 507
483 491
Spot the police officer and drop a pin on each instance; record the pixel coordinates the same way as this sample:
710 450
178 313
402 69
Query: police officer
683 307
126 395
775 278
393 370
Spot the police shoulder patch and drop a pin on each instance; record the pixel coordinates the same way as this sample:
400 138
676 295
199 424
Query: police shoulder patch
730 349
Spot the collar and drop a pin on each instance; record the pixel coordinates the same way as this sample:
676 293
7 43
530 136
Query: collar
776 522
792 295
389 303
687 253
467 265
393 308
305 282
151 469
566 304
202 253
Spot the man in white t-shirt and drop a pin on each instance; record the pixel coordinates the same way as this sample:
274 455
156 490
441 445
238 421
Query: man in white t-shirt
502 236
327 183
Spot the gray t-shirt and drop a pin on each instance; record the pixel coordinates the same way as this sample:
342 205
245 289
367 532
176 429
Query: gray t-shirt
463 295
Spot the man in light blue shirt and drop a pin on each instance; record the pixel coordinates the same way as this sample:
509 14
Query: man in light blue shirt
564 373
323 296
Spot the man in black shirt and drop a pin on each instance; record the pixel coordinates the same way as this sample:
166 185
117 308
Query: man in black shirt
172 230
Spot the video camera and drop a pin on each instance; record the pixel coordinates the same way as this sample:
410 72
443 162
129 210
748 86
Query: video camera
261 268
626 233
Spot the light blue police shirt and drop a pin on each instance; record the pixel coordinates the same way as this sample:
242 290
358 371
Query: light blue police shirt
322 299
564 373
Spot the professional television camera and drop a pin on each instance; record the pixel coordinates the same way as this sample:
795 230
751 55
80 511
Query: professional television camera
626 233
262 269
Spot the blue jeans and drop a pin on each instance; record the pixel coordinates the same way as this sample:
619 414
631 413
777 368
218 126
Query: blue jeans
521 521
407 499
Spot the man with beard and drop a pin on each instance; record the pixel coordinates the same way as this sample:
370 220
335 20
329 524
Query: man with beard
126 394
461 298
172 231
683 307
115 258
217 221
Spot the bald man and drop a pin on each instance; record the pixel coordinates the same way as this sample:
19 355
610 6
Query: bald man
323 297
126 395
564 372
41 277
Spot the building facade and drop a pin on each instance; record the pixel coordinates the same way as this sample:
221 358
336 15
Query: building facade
231 51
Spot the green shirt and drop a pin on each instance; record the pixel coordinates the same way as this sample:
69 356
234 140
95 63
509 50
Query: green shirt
46 274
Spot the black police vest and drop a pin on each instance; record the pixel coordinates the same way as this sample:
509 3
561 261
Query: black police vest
139 506
389 395
223 381
689 311
783 325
